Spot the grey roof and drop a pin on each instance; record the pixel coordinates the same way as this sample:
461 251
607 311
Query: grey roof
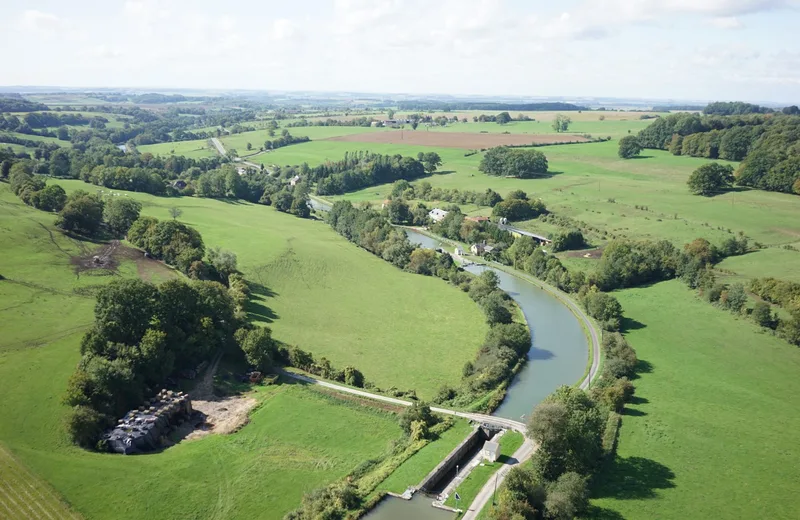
491 446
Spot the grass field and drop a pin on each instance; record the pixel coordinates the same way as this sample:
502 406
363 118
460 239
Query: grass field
471 486
196 149
413 470
713 429
320 292
37 138
257 138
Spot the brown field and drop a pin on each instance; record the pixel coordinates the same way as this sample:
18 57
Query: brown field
469 141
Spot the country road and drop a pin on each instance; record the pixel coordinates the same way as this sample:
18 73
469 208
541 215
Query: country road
218 145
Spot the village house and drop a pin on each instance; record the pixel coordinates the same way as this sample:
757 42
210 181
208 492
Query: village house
437 215
179 184
294 180
480 249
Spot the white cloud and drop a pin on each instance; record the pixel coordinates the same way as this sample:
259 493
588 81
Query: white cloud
34 20
283 29
726 22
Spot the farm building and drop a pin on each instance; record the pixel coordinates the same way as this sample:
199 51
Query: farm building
142 429
458 251
437 214
294 180
490 451
480 249
179 184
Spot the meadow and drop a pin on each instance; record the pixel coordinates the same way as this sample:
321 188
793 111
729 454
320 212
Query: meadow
196 149
712 429
297 439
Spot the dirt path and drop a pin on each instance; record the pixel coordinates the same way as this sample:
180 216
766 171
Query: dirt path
223 414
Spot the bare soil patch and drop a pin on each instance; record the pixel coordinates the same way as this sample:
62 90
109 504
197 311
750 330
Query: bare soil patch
468 141
108 257
594 254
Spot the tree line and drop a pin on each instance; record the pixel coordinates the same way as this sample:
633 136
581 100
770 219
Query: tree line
765 143
503 348
361 169
426 105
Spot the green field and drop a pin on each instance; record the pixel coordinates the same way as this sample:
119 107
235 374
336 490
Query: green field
336 300
196 149
413 470
296 440
596 128
257 138
37 138
713 429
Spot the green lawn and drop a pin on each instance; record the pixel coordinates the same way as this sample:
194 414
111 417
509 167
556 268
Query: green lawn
413 470
713 429
774 261
471 486
37 138
320 292
196 149
596 128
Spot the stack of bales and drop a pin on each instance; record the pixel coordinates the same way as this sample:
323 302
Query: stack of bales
142 429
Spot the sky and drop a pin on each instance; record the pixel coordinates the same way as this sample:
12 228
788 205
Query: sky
658 49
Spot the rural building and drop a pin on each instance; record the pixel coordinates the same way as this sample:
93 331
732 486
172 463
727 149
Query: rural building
437 215
142 429
490 451
481 249
241 170
458 251
294 180
375 124
385 203
179 184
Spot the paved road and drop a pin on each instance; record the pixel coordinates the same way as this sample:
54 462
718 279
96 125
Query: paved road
218 145
483 497
478 417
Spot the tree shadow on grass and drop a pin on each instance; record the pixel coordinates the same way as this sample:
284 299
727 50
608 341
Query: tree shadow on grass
642 367
255 308
639 400
632 478
629 324
633 412
600 513
638 157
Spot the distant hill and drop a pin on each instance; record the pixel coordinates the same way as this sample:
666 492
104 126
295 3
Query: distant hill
531 107
16 103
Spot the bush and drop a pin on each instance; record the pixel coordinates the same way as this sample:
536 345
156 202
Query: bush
604 308
82 214
85 425
629 147
418 412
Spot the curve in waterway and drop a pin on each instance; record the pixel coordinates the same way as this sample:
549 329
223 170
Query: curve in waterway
559 348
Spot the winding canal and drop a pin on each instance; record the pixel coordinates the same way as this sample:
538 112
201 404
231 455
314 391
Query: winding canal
559 348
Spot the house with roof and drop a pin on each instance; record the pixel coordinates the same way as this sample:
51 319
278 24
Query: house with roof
294 180
481 249
437 215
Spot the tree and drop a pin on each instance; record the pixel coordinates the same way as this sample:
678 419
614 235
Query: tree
85 425
561 123
604 308
414 124
762 315
62 133
422 261
224 261
567 239
175 212
398 212
567 496
431 161
258 346
82 214
60 164
736 298
568 427
249 146
390 114
51 198
120 214
710 179
502 118
495 308
418 411
629 147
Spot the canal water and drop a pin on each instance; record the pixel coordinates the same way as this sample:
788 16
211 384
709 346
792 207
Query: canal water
418 508
559 348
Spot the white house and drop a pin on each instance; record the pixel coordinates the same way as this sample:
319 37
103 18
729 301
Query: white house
490 451
458 251
294 180
437 214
